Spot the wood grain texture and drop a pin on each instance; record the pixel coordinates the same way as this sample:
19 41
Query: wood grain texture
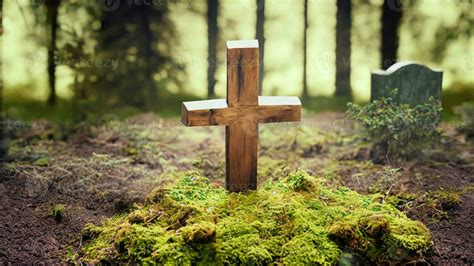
241 113
242 76
241 156
213 114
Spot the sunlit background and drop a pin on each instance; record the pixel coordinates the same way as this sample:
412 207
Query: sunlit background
436 33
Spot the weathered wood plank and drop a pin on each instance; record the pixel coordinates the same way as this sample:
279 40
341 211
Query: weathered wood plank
213 112
241 156
242 74
240 113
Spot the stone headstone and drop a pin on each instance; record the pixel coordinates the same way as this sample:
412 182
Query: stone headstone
415 83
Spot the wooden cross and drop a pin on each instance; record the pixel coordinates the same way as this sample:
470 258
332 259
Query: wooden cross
240 113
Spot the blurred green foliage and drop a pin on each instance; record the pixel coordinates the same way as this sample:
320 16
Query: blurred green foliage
466 111
454 96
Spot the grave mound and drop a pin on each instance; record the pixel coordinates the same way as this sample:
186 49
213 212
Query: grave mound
297 220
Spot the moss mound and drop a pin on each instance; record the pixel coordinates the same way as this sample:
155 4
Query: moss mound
294 221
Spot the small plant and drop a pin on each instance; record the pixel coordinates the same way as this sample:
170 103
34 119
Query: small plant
385 181
398 130
466 111
58 211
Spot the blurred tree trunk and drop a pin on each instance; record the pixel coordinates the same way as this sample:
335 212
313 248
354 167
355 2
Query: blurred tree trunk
343 49
140 46
260 36
3 137
149 91
392 12
305 52
52 7
212 32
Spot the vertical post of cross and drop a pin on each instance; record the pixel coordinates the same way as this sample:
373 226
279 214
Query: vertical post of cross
242 137
240 113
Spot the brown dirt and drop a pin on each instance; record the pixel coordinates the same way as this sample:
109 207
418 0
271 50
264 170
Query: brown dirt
106 170
453 236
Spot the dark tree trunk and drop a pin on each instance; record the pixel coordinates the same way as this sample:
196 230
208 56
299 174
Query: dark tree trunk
212 32
343 49
305 52
149 30
149 90
52 7
261 40
392 12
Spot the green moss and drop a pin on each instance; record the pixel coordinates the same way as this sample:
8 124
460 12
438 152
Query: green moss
268 166
57 212
42 162
446 199
433 204
204 232
297 220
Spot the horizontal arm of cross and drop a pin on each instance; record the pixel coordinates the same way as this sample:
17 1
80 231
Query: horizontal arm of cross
217 112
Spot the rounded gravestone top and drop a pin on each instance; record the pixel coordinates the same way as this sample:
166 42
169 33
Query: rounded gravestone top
414 82
400 65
